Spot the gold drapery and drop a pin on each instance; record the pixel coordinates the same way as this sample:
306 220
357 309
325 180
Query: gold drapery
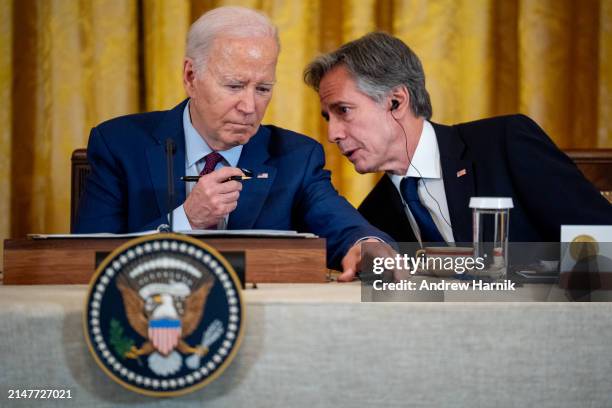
67 65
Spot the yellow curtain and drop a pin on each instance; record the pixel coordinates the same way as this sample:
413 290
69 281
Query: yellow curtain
165 26
6 113
67 65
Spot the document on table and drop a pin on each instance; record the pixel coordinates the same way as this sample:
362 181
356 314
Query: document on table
197 233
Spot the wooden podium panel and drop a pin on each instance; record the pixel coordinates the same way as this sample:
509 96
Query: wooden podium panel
73 260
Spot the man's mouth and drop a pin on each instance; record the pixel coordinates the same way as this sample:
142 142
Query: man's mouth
350 153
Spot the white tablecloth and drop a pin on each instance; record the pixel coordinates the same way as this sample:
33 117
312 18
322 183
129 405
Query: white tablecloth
320 346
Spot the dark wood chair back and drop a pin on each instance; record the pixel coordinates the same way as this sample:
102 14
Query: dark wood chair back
596 165
79 171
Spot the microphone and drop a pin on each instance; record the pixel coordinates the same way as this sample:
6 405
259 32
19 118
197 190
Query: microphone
170 149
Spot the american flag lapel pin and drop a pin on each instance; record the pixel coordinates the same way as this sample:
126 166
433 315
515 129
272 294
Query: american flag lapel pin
461 173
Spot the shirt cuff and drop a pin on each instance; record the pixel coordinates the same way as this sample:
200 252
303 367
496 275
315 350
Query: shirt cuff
179 220
360 240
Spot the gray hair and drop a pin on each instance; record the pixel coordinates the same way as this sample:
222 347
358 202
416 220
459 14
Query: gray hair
229 21
379 63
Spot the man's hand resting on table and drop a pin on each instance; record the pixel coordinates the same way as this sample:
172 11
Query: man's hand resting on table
351 263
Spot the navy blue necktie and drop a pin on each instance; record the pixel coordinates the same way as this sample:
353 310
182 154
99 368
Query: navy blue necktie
427 227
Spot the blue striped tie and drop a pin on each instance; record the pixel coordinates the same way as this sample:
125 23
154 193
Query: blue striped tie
427 227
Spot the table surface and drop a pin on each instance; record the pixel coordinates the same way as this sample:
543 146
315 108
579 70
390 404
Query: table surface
328 293
319 345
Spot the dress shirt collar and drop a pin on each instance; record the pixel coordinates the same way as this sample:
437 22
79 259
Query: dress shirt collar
197 147
426 158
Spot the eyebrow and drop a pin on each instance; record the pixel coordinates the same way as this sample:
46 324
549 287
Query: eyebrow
242 81
331 107
334 105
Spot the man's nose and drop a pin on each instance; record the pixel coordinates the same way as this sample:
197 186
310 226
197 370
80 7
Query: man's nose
335 131
246 104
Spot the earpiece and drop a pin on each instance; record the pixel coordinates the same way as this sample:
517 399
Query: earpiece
394 104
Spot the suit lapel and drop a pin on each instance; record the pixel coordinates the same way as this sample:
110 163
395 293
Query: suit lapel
254 192
458 176
171 126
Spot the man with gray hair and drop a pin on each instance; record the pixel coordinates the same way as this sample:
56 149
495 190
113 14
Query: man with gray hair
373 95
217 140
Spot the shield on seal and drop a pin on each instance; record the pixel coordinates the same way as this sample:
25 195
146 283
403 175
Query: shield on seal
164 334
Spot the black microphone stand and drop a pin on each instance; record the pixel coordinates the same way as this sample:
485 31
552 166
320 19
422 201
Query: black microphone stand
170 148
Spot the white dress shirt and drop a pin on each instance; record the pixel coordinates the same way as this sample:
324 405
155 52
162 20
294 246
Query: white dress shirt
196 149
426 165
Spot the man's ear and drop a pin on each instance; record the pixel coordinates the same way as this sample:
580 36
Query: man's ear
399 99
188 76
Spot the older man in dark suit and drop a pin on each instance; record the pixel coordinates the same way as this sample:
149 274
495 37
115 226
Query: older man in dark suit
228 73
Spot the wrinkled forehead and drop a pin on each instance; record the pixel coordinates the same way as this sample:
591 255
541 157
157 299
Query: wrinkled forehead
256 48
252 59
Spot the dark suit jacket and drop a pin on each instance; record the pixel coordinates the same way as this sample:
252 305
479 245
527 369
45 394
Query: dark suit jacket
507 156
127 188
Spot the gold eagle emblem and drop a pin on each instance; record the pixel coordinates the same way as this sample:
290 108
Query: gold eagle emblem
168 302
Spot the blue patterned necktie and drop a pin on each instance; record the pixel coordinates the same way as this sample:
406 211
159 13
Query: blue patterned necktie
427 227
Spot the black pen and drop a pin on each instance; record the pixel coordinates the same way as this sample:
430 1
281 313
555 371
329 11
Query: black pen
248 174
233 178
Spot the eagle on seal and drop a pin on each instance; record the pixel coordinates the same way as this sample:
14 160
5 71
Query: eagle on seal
164 313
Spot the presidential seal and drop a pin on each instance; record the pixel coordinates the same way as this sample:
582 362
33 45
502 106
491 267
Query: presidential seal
164 315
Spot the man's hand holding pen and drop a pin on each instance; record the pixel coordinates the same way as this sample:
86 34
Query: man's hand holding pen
213 197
